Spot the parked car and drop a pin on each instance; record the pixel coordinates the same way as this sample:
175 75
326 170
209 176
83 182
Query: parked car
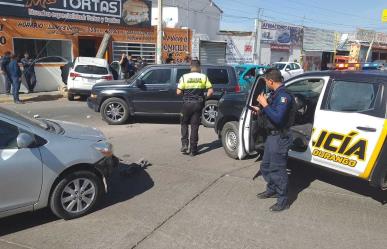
86 72
247 73
153 91
341 123
58 164
288 69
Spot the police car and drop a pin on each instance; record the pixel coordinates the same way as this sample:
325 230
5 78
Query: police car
340 122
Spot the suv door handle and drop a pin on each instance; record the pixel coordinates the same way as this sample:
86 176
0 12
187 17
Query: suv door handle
163 90
368 129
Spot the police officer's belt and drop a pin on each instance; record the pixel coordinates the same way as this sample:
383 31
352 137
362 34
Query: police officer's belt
278 132
192 99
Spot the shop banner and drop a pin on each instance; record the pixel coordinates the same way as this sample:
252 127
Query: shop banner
123 12
316 39
273 33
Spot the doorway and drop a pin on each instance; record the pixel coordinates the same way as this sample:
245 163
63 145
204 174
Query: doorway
88 46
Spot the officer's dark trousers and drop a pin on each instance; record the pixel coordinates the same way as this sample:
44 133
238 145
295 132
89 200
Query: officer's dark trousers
273 166
15 88
190 115
7 82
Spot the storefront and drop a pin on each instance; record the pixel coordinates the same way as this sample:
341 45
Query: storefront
58 31
364 39
318 49
280 43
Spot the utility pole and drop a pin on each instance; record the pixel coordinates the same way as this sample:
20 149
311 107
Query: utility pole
159 48
257 43
369 49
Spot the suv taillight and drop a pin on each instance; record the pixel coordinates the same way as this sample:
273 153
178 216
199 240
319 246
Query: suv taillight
74 75
237 88
109 77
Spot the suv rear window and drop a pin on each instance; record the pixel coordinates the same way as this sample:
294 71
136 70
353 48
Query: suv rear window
352 96
90 69
181 72
217 76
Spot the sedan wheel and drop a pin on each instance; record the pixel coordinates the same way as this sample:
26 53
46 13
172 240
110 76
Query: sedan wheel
76 194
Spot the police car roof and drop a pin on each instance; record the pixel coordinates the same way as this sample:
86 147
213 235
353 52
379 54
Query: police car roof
359 76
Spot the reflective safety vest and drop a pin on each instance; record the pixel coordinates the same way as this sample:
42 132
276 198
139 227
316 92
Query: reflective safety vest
193 86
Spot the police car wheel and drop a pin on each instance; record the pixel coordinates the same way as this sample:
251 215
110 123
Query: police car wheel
209 113
115 111
230 140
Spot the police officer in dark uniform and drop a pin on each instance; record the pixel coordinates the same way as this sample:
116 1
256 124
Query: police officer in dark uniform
276 113
192 86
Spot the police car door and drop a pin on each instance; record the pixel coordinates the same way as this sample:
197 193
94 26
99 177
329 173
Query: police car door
246 144
350 128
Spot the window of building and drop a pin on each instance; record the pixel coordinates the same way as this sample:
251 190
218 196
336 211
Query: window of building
47 50
145 50
352 96
217 76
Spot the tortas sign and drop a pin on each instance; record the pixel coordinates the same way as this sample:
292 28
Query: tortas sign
123 12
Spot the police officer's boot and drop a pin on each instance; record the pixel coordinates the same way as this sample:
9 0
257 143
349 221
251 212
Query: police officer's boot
184 149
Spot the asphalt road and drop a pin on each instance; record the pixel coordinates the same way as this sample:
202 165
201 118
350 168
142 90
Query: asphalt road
203 202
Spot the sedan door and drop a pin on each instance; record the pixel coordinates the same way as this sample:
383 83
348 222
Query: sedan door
20 170
154 95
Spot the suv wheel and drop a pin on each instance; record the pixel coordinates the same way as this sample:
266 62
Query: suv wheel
76 194
209 113
115 111
230 139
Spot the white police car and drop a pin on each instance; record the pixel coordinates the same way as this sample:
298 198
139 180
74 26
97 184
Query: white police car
340 123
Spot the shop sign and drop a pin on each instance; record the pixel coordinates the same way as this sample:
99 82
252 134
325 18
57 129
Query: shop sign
280 47
248 48
369 35
384 15
123 12
273 33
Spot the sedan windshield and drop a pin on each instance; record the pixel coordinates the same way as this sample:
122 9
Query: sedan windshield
31 121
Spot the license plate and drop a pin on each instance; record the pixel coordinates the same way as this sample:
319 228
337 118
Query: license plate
91 81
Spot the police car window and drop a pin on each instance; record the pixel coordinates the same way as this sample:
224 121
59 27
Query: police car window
217 76
308 88
352 96
181 72
157 76
8 135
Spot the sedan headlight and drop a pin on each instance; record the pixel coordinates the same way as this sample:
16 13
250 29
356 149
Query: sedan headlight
105 148
93 96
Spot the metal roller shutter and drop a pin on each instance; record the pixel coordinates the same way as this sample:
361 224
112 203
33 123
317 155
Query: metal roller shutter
212 52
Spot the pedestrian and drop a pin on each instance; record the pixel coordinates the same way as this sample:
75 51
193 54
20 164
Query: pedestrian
5 73
170 59
124 66
15 75
29 72
130 66
187 58
140 64
277 115
192 86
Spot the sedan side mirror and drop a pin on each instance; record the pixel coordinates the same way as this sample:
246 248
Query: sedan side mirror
24 140
287 69
140 83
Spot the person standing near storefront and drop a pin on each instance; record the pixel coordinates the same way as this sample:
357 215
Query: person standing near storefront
124 66
29 72
140 63
4 71
15 75
192 86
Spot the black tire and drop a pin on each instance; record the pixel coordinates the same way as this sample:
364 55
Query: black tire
229 136
120 105
70 97
209 113
59 194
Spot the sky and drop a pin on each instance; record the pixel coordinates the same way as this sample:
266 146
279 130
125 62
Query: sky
338 15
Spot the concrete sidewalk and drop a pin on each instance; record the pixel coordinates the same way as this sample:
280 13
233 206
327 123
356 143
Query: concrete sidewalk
33 97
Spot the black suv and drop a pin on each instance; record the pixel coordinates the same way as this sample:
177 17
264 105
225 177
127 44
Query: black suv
152 91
